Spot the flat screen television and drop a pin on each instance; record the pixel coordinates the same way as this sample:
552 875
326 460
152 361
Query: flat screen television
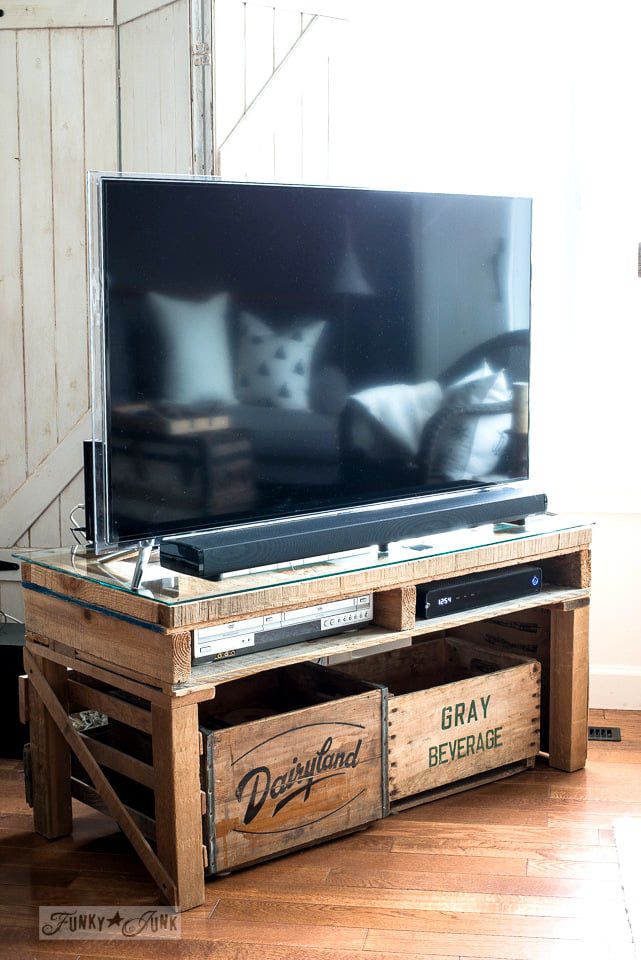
280 363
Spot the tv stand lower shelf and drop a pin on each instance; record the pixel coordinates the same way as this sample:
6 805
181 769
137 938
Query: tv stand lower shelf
87 649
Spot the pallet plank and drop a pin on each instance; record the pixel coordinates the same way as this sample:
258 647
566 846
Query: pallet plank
395 608
87 795
50 757
164 657
177 800
204 602
569 678
147 692
92 592
85 697
131 767
224 671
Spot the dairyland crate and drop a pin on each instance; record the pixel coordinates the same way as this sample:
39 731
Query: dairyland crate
459 714
291 757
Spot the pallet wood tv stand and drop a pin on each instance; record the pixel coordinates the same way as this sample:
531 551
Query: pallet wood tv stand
84 624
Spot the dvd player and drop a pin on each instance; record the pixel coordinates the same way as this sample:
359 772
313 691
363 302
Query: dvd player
442 597
280 629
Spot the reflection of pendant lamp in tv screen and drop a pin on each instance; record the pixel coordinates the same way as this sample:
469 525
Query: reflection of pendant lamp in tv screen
350 278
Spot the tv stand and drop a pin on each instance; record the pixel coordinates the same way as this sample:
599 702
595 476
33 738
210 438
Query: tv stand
113 639
141 553
144 553
508 525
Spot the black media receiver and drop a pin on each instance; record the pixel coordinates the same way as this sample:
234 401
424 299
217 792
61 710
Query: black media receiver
439 598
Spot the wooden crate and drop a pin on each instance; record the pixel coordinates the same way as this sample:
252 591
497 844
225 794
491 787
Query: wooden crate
288 758
291 757
525 633
459 714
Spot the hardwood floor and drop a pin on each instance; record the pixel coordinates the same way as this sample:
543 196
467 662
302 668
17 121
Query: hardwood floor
524 869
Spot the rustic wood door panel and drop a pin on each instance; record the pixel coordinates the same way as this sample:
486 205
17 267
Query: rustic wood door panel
58 106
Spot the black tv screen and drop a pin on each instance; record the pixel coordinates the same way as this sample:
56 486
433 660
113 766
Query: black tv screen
271 351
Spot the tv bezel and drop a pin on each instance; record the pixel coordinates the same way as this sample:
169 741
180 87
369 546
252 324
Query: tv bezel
494 506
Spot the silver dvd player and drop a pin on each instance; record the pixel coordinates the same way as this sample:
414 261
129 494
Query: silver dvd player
279 629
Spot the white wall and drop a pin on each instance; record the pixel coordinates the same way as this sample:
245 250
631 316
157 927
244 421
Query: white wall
615 628
500 97
597 402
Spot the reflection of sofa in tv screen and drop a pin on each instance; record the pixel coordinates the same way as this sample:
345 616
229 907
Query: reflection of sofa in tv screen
465 427
307 418
279 387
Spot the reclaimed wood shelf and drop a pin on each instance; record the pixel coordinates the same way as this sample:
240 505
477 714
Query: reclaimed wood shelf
208 674
90 640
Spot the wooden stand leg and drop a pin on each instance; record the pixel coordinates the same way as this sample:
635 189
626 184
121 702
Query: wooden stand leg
569 688
178 812
50 759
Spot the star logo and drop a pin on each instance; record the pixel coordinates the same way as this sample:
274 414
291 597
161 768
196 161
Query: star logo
115 921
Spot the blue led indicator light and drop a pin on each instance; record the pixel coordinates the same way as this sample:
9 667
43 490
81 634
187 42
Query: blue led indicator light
535 581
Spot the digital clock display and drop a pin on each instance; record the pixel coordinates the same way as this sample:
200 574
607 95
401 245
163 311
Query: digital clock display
443 602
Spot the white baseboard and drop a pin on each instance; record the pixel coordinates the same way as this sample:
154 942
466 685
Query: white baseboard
615 687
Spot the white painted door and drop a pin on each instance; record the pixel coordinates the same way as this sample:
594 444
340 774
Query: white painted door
144 92
277 103
155 86
58 117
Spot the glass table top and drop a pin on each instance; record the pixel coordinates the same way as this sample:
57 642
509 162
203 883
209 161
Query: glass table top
165 586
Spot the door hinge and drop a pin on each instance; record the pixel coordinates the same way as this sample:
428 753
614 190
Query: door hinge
201 54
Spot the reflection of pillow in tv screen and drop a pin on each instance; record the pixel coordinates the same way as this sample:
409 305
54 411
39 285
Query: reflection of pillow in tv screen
275 369
196 349
469 447
472 387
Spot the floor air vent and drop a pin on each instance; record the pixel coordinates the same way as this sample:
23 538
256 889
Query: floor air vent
603 734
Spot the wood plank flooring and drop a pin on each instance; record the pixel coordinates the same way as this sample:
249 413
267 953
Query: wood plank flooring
523 869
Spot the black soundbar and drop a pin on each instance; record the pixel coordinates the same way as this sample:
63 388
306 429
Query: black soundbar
213 553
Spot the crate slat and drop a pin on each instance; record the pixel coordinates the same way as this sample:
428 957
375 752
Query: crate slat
86 794
131 767
459 786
